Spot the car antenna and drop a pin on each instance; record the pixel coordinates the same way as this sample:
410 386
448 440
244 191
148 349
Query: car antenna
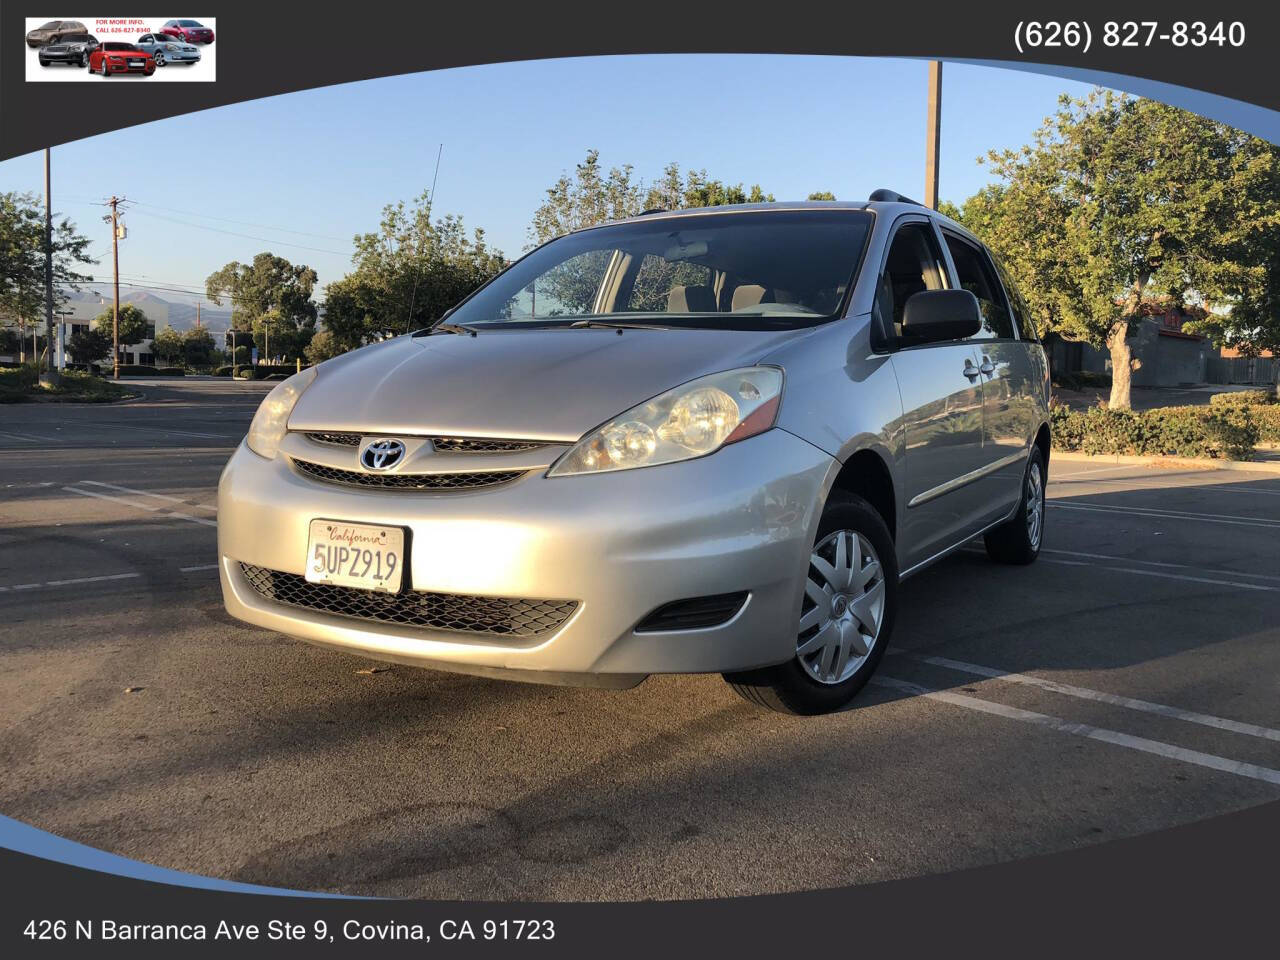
431 199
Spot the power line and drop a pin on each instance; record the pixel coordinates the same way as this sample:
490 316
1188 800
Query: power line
233 233
243 223
209 216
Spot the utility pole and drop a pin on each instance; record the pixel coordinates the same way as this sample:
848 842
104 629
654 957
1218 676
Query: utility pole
115 303
932 138
50 375
197 314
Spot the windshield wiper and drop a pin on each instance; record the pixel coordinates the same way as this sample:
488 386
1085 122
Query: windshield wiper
617 325
449 327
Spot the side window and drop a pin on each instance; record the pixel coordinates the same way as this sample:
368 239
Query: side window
1021 312
975 274
914 264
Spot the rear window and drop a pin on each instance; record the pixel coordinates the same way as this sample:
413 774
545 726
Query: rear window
975 274
1017 305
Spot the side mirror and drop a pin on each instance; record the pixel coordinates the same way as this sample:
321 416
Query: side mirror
935 315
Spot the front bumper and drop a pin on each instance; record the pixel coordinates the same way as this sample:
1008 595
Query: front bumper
620 544
147 67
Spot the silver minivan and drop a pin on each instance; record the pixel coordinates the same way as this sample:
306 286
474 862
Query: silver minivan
708 440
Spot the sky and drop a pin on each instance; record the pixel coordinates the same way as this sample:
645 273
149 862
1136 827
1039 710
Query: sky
300 174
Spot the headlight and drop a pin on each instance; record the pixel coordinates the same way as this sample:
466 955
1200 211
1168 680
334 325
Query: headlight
272 419
691 421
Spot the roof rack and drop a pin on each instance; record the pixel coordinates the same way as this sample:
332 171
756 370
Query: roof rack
891 196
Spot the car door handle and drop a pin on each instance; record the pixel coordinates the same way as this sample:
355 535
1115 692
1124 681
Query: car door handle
987 367
970 370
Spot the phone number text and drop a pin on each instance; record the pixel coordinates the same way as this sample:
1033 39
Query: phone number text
1080 34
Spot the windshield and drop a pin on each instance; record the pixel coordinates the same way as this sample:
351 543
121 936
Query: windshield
119 47
743 270
188 23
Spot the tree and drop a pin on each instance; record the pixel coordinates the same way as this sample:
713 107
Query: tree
168 346
822 195
323 346
198 348
22 254
271 298
407 274
1119 202
592 196
132 328
89 345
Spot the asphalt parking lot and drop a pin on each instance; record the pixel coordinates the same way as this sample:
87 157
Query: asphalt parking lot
1128 681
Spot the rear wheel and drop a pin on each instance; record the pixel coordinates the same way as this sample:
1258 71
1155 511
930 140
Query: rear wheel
846 617
1018 540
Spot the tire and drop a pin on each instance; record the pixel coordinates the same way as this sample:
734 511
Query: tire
158 59
1018 540
44 62
796 686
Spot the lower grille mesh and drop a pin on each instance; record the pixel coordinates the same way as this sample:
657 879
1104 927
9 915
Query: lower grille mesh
407 481
460 613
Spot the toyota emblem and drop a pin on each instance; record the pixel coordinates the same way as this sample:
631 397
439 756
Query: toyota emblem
382 454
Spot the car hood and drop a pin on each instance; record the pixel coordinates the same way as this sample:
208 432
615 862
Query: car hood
548 384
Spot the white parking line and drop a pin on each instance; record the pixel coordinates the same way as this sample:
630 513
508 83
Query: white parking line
1089 473
1169 514
1237 767
67 583
1162 575
77 581
1159 563
1160 709
143 506
166 430
146 493
26 438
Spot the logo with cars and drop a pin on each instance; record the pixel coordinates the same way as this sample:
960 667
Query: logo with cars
106 47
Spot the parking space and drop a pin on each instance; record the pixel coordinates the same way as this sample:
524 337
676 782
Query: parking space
1123 683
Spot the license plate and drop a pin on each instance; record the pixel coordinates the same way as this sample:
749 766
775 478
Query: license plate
360 555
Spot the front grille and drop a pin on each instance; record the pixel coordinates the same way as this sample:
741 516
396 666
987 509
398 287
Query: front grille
407 481
441 444
455 612
342 439
483 445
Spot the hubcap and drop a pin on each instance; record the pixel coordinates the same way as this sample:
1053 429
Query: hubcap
1035 506
843 607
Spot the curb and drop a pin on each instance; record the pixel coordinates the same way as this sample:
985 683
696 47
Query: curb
1254 466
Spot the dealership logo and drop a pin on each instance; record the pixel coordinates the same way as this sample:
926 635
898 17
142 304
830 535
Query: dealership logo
382 454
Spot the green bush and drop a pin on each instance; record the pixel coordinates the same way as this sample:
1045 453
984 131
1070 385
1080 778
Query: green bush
1267 418
1214 432
1242 398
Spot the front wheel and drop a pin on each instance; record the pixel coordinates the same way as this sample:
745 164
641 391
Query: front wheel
1018 539
846 616
159 59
